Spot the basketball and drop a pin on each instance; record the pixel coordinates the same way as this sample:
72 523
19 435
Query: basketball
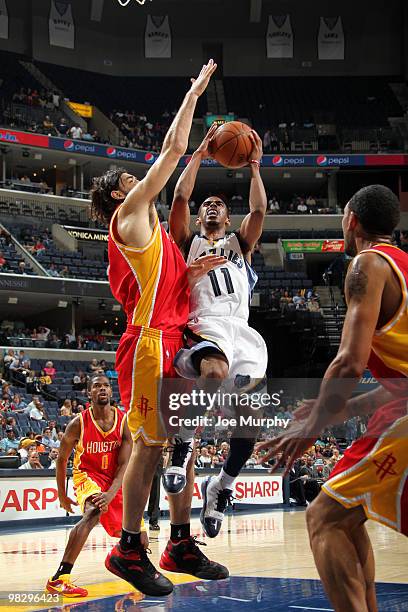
231 145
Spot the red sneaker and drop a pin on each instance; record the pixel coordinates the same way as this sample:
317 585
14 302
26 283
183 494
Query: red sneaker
65 587
135 567
186 558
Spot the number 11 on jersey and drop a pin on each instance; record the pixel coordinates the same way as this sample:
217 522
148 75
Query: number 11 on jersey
215 284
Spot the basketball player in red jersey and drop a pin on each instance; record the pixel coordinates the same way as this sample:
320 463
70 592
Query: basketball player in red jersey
148 276
102 443
370 481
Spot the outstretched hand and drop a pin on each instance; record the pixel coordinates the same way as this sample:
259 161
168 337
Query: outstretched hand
199 85
256 152
203 148
202 266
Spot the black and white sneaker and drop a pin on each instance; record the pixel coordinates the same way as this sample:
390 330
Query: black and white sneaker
215 503
174 478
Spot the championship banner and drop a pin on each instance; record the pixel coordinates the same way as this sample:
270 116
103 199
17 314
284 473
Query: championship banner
61 25
157 37
330 40
313 246
84 110
4 20
262 489
279 37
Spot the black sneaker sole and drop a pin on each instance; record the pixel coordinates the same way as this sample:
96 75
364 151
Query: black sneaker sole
165 588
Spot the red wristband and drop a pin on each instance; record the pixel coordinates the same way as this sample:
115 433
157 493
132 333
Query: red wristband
255 161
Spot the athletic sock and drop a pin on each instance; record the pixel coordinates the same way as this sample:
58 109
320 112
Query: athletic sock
179 532
239 453
129 540
64 568
226 481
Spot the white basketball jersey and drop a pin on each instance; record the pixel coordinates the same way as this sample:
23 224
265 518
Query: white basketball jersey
279 37
331 39
157 37
61 25
224 291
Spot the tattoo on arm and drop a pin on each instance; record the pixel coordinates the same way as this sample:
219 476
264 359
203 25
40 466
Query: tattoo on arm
357 282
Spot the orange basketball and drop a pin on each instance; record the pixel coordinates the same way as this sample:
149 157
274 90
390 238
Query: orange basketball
231 145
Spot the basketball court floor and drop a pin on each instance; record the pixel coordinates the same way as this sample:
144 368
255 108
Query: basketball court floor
267 553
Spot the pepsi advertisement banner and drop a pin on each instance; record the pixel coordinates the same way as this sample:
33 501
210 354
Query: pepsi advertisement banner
123 155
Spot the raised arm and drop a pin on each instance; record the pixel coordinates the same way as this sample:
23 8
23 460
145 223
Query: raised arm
179 220
174 146
251 227
365 284
71 437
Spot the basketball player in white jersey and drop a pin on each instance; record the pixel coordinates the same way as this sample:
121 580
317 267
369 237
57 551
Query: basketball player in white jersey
222 344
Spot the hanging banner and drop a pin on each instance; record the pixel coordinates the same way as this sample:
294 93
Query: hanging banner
313 246
4 20
157 37
330 40
279 37
61 25
84 110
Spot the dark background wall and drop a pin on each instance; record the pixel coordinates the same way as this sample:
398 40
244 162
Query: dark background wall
374 30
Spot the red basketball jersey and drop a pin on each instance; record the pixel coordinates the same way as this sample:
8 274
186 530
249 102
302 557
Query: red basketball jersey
150 282
96 453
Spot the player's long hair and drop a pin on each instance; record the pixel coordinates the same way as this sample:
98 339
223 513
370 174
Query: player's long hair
102 204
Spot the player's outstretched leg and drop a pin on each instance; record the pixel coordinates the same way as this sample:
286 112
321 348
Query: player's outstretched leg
182 553
128 559
61 581
213 369
217 491
343 554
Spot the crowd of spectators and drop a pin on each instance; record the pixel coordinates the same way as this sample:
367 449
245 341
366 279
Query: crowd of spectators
298 205
138 132
285 300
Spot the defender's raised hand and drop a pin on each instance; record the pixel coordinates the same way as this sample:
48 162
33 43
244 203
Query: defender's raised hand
199 85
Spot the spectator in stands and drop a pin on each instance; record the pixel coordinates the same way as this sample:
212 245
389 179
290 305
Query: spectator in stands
274 206
43 333
267 141
93 366
7 360
64 272
301 207
52 457
10 441
48 126
46 439
285 301
26 446
37 412
5 237
17 404
274 142
80 381
21 268
76 132
3 262
58 441
62 127
49 369
33 462
17 370
203 458
311 203
66 408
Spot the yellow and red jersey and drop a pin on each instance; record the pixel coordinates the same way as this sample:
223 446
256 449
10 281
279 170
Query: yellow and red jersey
389 354
150 282
97 451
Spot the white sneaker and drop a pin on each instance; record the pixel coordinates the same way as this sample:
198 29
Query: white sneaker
174 478
215 502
